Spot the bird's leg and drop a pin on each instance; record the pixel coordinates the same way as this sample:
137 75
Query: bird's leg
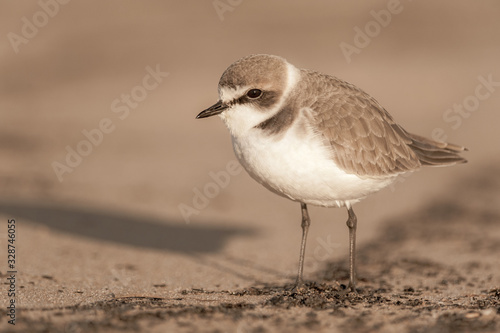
306 222
352 222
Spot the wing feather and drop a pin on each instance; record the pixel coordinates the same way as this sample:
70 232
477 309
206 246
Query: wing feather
362 136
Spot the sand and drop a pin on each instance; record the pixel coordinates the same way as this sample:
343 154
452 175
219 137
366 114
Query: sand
130 215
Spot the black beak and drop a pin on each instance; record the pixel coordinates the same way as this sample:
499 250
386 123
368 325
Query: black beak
213 110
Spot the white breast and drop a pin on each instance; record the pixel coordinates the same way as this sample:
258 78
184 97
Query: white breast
299 166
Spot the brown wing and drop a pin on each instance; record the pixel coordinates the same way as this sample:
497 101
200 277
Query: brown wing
435 153
363 137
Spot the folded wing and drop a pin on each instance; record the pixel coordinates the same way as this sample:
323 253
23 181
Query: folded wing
363 137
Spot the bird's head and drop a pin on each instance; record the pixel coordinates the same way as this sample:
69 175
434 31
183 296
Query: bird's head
252 90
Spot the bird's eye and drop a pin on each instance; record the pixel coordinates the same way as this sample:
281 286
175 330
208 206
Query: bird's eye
254 93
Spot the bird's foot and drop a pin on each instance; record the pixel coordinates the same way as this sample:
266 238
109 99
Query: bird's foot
352 288
299 287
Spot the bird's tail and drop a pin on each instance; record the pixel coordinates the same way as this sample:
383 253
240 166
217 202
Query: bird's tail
434 153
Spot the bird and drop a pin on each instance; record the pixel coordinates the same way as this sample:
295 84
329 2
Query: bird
316 139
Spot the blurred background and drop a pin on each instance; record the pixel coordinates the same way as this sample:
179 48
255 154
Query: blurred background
110 175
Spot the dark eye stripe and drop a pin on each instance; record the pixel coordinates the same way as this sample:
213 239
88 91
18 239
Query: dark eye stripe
245 99
266 100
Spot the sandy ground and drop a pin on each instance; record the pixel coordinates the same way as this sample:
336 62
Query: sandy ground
105 245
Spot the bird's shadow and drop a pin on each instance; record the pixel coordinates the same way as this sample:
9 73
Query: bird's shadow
126 228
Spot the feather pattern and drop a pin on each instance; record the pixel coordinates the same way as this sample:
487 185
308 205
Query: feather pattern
362 136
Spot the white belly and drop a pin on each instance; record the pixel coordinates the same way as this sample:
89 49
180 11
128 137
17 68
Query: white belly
300 167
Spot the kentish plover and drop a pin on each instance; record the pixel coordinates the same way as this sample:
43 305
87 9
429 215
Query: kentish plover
317 139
